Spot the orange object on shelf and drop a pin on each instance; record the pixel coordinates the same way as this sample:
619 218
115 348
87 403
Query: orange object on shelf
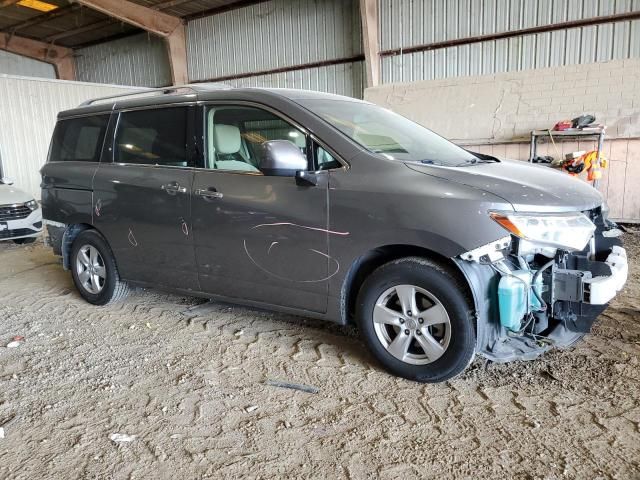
588 162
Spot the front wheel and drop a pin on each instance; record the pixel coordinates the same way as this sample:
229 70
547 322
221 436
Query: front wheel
417 320
94 271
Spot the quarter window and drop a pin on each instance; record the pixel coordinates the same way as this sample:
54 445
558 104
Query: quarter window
152 137
324 160
235 134
79 139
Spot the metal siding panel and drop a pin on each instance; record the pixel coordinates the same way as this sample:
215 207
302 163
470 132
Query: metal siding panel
588 44
604 46
453 19
542 50
440 63
634 42
559 11
29 108
463 60
515 54
274 34
621 40
451 58
501 54
342 79
140 60
557 48
12 64
529 14
460 21
463 18
475 54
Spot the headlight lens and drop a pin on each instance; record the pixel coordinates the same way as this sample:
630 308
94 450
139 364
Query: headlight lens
571 231
32 204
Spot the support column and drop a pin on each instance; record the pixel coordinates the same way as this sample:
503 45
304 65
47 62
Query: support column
369 16
177 48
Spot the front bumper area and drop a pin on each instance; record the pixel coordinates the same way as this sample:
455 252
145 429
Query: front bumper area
576 290
601 289
30 226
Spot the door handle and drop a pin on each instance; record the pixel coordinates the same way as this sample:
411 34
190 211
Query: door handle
173 188
208 193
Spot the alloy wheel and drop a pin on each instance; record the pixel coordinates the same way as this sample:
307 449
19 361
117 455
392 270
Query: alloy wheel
412 324
90 269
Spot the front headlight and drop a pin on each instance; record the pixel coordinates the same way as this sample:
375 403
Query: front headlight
32 204
569 231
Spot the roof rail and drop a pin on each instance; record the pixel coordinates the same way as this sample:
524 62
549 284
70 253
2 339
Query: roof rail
157 91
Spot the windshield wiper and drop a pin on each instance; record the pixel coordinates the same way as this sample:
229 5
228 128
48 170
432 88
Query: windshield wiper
483 156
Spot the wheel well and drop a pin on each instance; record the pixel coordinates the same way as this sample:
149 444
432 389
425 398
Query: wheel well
367 263
70 234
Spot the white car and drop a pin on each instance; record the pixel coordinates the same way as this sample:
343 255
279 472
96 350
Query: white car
20 214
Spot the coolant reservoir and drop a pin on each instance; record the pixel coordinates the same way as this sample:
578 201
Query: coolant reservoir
512 297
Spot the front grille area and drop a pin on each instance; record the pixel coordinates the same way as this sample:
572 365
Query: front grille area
19 232
11 212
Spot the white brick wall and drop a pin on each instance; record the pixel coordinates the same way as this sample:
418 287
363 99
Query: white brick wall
508 106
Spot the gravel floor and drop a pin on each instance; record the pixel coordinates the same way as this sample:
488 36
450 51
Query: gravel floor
189 382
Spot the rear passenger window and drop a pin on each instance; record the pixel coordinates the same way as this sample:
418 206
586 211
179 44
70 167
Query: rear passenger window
79 139
152 137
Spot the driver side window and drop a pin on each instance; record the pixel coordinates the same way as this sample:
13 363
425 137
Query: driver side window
235 134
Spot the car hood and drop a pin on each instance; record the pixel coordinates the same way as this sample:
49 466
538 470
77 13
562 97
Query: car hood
527 187
10 195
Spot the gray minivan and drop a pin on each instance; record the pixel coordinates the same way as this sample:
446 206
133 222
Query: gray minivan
334 208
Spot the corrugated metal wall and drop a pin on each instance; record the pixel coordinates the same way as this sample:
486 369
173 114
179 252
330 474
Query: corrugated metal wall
277 34
406 23
140 60
12 64
344 79
28 110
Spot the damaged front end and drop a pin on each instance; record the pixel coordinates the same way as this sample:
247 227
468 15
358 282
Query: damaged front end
544 284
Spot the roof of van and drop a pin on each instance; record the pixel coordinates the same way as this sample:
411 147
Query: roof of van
192 92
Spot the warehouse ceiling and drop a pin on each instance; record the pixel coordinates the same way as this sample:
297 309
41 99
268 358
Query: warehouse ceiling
68 24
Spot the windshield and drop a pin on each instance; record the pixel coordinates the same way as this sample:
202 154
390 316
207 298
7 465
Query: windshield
389 134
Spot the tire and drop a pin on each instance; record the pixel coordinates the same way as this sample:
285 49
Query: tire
24 241
90 248
429 347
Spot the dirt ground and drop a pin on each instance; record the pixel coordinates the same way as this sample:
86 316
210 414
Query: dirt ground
189 380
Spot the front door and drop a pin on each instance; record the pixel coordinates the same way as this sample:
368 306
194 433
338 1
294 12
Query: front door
142 201
259 238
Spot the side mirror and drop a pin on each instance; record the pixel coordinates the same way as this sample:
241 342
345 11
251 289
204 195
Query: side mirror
281 158
6 180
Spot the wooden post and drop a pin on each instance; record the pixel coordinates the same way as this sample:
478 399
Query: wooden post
369 16
66 68
177 47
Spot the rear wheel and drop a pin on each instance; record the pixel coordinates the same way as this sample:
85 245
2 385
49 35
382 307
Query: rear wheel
417 320
94 269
